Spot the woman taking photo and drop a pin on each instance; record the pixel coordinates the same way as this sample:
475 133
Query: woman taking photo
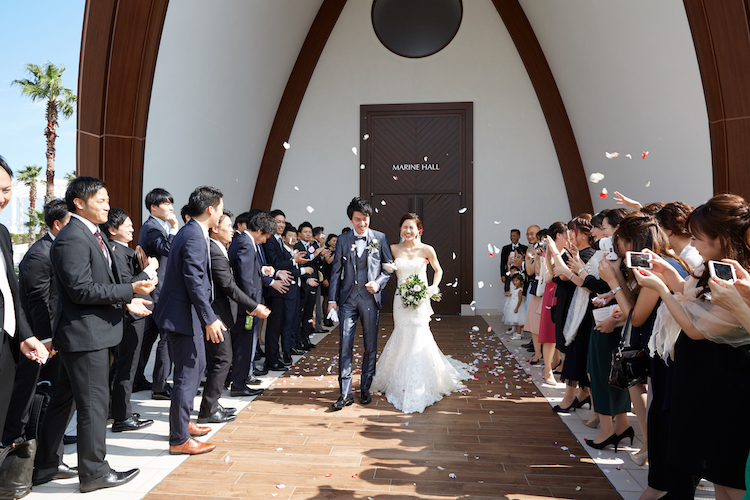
556 239
708 434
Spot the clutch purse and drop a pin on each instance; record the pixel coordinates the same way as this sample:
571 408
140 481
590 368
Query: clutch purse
630 365
141 259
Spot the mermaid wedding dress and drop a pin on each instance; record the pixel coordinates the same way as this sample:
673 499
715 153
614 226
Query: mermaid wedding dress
412 372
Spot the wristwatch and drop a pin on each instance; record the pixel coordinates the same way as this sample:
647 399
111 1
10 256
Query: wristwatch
615 290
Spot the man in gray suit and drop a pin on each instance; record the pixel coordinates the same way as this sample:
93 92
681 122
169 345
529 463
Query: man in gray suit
357 279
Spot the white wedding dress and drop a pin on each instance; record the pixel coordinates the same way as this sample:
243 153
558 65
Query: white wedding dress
411 371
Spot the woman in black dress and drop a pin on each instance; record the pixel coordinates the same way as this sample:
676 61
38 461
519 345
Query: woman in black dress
708 432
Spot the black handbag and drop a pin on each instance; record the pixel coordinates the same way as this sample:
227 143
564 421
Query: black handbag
16 470
630 365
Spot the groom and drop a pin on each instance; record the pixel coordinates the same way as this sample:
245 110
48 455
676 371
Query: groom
356 282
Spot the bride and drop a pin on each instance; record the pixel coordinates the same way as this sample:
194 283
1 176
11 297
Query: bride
411 371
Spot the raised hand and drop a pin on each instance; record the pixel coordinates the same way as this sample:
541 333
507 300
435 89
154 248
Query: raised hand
621 199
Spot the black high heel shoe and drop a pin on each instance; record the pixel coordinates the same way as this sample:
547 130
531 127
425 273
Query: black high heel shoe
614 439
579 404
569 409
629 433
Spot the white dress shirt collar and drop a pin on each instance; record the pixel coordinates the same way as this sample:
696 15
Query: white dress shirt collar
90 225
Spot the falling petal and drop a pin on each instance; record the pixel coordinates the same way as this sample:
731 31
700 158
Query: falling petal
454 255
366 136
395 177
497 250
629 156
281 486
296 188
648 184
480 284
425 158
286 145
463 210
452 475
497 222
362 167
596 177
376 210
310 209
382 202
644 155
612 155
603 194
354 150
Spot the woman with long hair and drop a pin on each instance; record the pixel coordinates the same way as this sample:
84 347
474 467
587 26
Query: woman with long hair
710 348
556 240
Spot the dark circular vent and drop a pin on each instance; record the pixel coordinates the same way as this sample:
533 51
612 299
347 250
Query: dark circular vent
416 28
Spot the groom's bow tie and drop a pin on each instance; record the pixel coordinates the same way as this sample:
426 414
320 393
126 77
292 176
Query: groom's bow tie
362 238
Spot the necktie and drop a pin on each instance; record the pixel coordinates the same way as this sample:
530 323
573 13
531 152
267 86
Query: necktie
9 313
101 245
208 250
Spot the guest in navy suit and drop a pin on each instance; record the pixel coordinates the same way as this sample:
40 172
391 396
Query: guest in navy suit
185 312
155 238
292 311
356 285
277 289
248 262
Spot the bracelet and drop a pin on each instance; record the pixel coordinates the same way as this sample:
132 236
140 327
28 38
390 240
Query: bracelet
581 270
615 290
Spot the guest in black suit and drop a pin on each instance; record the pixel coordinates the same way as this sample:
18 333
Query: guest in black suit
88 325
16 332
276 290
119 229
290 331
248 262
228 298
515 236
309 287
185 311
155 238
39 302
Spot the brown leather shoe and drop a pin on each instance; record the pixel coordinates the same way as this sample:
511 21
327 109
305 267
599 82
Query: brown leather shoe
197 430
191 447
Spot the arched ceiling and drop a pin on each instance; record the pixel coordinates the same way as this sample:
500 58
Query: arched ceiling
121 41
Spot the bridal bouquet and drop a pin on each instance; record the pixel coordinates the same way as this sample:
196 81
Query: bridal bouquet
412 291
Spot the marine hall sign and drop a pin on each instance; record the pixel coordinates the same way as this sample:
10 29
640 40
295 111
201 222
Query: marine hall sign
417 166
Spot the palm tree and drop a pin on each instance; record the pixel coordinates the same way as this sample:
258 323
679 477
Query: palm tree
46 84
29 175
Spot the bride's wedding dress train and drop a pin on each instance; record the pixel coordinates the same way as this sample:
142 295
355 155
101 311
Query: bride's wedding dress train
412 372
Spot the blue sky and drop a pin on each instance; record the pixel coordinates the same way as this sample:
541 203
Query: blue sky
36 31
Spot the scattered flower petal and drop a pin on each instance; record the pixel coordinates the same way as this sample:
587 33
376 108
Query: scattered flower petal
454 255
644 155
296 188
280 486
596 177
440 468
497 222
648 184
329 474
382 202
452 475
286 145
366 136
354 150
310 209
497 250
480 284
611 155
603 194
425 158
629 156
463 210
362 166
395 177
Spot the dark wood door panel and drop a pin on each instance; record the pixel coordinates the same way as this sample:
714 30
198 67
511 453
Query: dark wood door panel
441 223
385 219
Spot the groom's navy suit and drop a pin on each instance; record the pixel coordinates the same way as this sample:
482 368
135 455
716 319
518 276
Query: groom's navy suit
350 274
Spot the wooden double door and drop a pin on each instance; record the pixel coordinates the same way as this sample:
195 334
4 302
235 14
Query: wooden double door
417 158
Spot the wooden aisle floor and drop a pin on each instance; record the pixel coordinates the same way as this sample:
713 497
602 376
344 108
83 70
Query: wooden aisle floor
498 439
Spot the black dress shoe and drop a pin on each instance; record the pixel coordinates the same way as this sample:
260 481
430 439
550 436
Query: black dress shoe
253 380
130 424
365 398
342 401
229 410
238 392
297 351
145 386
70 439
217 417
62 471
165 395
276 367
109 480
287 361
320 330
310 345
259 352
260 373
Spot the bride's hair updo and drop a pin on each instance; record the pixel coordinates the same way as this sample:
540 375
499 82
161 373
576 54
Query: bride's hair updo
411 216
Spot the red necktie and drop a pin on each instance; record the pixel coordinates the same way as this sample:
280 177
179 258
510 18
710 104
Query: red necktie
101 244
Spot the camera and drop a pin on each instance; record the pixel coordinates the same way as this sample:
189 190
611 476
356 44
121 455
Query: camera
605 245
